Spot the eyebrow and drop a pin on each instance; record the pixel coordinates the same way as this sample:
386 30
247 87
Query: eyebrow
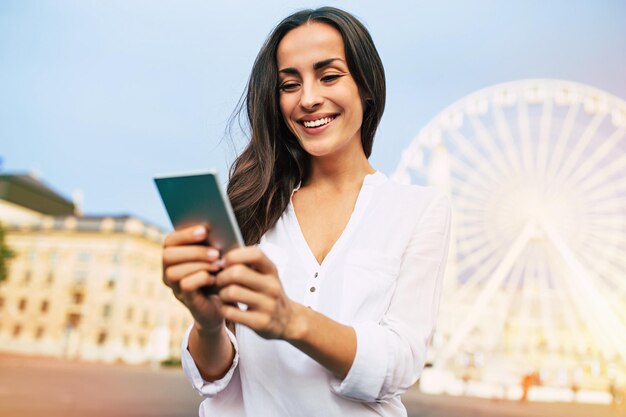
316 66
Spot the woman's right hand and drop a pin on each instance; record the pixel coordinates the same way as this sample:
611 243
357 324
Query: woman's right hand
187 267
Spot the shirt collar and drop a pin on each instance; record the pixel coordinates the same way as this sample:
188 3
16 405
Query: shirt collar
374 178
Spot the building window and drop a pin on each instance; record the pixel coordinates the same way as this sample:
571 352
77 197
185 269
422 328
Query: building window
32 255
50 278
102 338
106 311
129 313
78 297
80 277
112 279
73 320
44 306
28 277
53 257
146 318
17 329
39 332
84 257
1 302
22 304
116 258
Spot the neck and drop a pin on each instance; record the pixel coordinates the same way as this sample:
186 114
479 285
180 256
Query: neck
338 172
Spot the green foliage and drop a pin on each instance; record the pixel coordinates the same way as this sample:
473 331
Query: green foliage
5 255
171 362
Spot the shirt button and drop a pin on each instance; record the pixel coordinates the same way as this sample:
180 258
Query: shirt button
315 276
312 289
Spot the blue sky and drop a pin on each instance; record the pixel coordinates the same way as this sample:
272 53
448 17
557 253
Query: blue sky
102 95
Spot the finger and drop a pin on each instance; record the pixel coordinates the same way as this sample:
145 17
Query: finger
195 281
187 236
238 294
252 319
250 255
177 272
180 254
244 276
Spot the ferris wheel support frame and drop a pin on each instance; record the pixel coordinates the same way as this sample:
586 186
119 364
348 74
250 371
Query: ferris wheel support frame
604 319
475 313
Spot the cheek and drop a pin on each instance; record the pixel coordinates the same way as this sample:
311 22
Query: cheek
357 109
352 99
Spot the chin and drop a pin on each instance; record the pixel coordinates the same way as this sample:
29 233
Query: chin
316 153
317 149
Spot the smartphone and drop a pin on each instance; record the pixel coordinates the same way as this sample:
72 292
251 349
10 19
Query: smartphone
198 199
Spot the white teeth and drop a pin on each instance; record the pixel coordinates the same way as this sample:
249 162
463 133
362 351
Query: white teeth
318 122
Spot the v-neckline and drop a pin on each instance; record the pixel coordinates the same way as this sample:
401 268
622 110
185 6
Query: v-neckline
301 243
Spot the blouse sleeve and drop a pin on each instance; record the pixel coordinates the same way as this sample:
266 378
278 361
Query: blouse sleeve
204 388
391 354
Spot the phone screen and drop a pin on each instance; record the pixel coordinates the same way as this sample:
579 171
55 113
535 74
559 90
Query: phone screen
198 199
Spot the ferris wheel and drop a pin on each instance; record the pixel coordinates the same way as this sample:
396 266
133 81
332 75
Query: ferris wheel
536 172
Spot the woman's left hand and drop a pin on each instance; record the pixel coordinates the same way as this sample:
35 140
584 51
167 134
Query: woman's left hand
251 278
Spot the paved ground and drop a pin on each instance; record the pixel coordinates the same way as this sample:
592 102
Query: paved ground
35 387
421 405
50 388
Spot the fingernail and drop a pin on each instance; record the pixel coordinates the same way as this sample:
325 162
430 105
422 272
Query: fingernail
213 254
220 263
200 231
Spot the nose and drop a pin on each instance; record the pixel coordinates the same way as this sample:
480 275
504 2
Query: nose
311 97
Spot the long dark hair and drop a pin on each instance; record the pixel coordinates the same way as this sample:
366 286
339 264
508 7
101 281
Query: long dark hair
265 174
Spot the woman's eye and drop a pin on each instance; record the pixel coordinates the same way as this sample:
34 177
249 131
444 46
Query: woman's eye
331 77
289 86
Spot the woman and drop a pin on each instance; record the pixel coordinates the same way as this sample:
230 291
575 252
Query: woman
343 286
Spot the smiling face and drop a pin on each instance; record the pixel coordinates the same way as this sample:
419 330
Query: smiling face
319 99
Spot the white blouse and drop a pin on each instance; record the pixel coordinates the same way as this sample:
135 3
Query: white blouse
383 277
